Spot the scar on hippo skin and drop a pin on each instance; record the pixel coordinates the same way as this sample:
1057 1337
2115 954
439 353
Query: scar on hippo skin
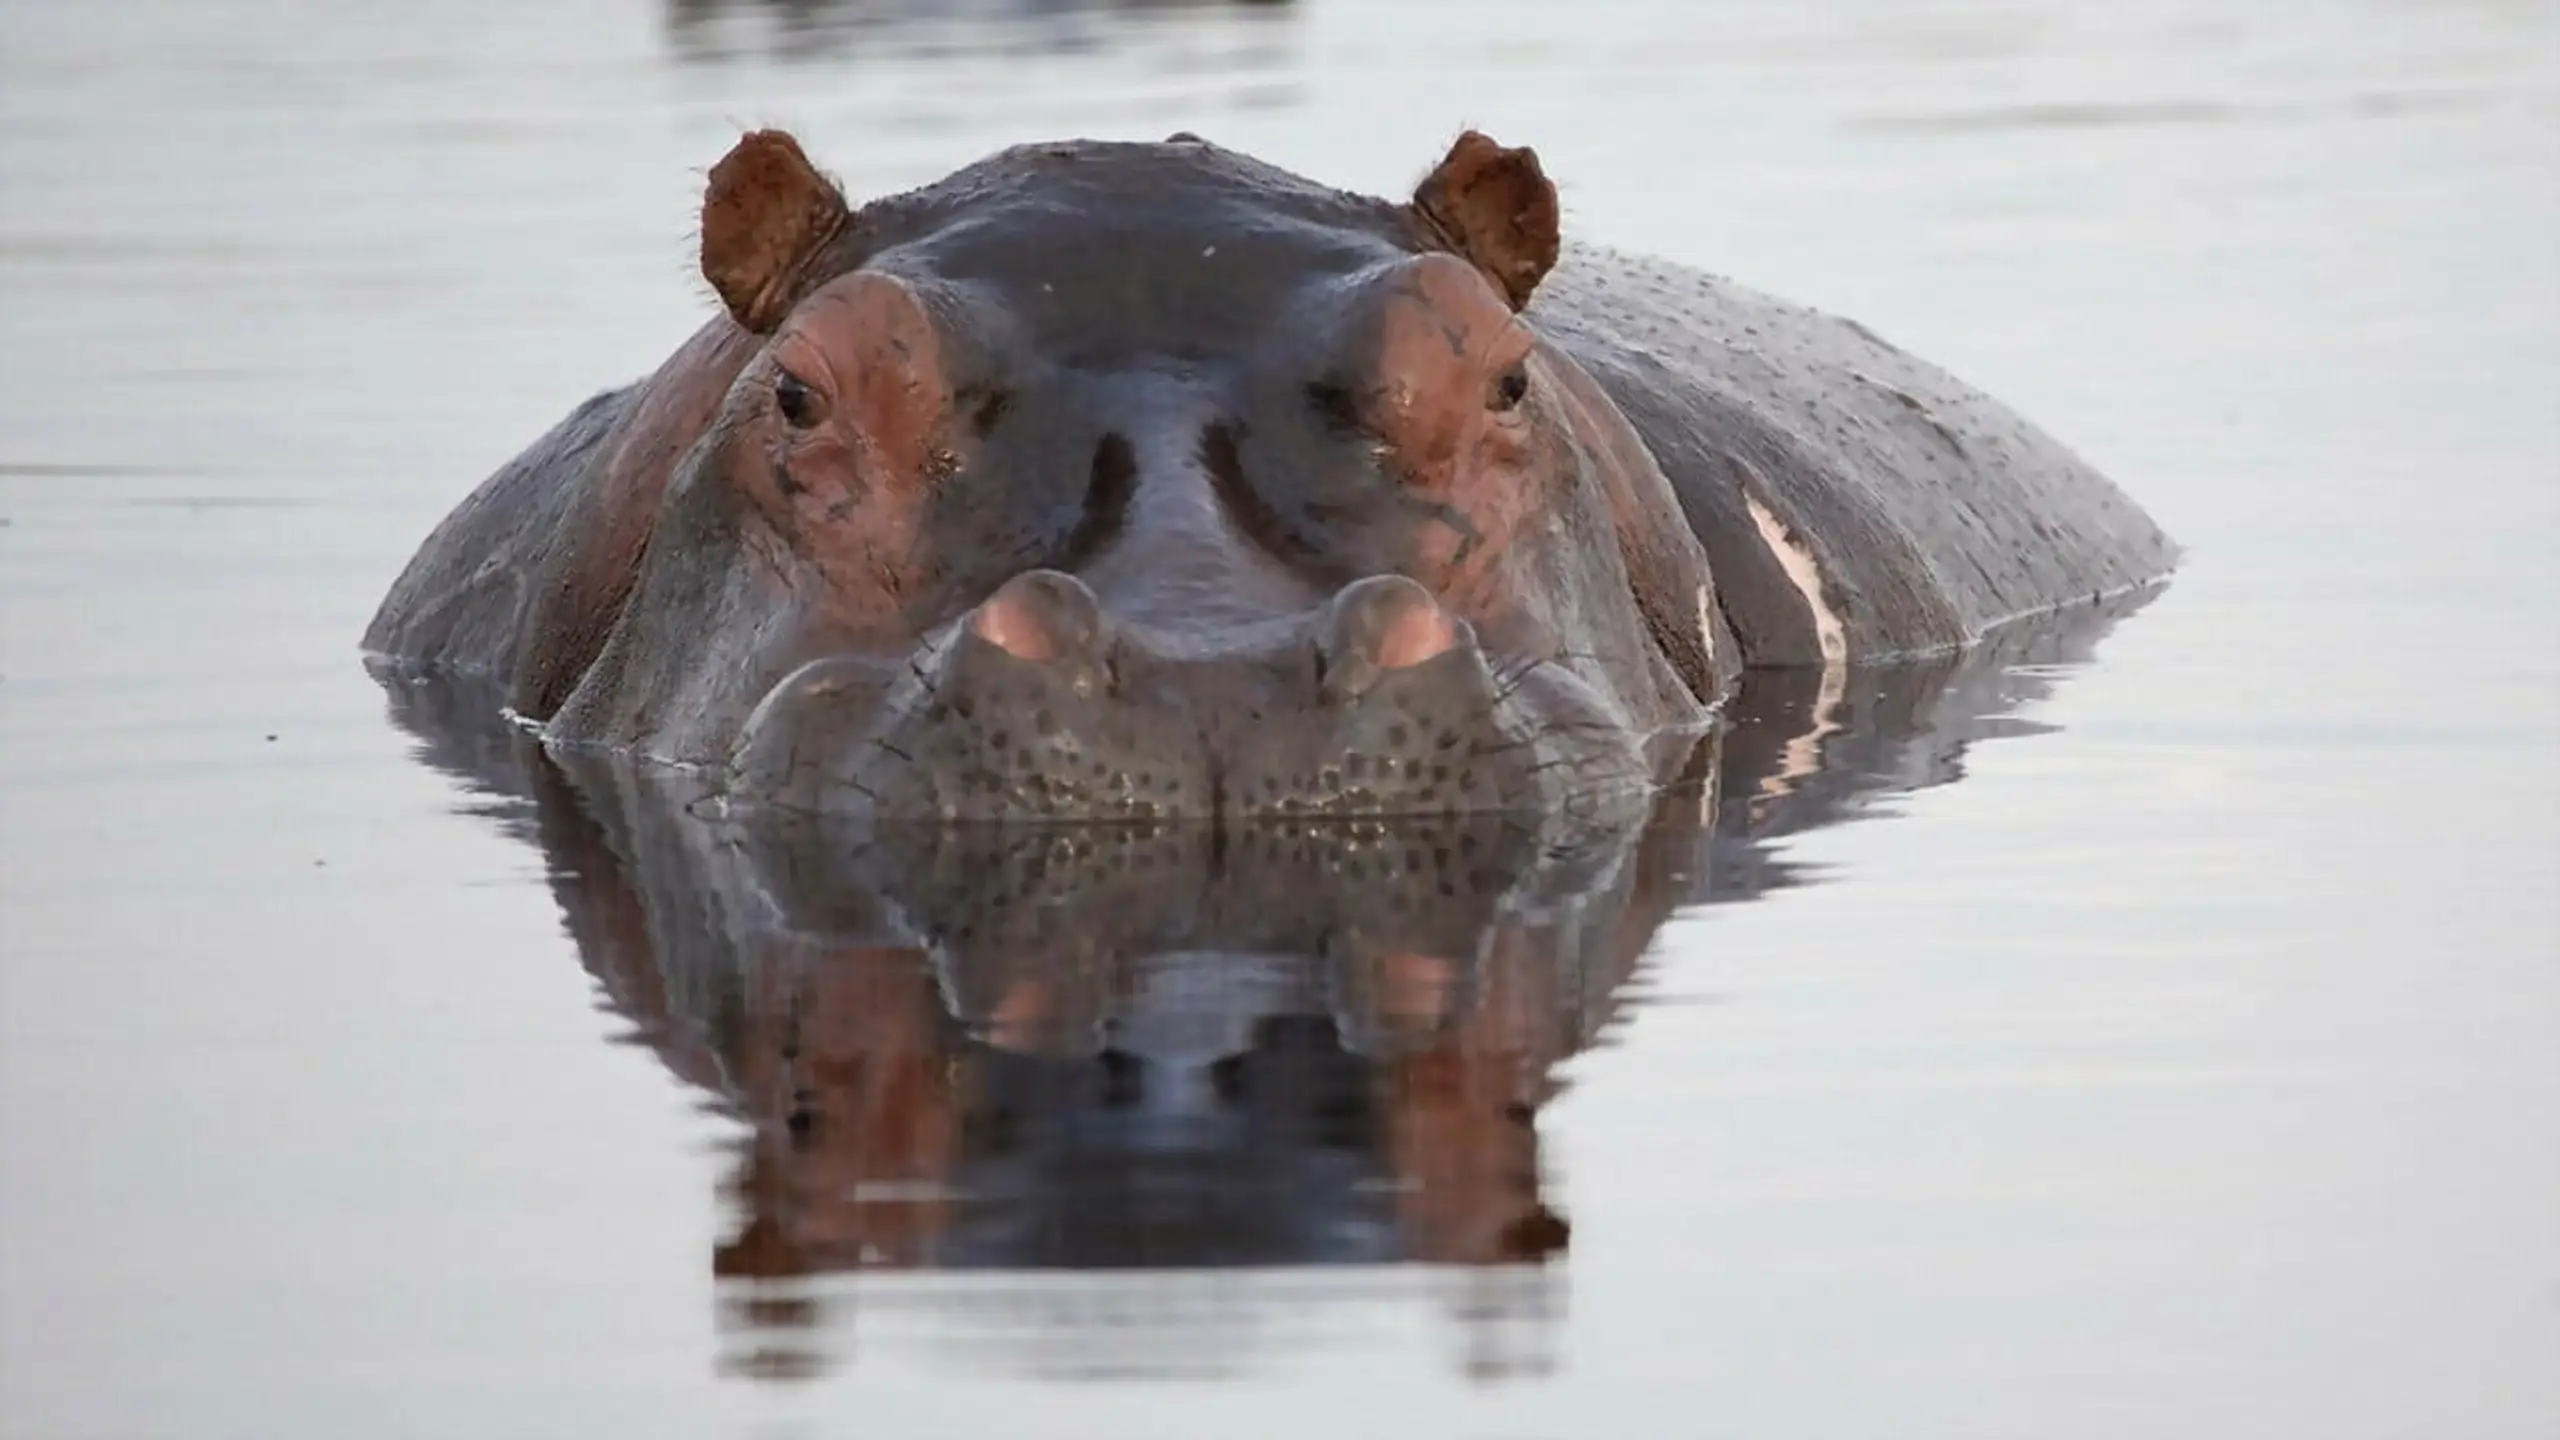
1805 573
766 214
1496 207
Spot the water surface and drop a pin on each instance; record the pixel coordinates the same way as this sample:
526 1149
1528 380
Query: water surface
2155 1031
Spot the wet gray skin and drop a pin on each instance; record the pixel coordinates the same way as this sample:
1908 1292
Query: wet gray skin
1138 482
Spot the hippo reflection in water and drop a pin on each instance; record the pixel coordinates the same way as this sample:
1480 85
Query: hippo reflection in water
1150 482
800 27
1172 1045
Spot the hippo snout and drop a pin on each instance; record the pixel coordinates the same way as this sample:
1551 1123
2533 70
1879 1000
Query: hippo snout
1041 704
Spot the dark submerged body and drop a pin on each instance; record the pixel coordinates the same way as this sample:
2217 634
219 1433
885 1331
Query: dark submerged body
1120 449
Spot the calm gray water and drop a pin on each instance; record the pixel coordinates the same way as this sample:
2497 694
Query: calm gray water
2160 1043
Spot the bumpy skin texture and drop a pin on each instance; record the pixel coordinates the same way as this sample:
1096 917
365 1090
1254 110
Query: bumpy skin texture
1935 513
1133 481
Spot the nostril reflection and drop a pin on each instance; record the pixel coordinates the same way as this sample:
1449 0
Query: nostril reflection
1038 616
1123 1078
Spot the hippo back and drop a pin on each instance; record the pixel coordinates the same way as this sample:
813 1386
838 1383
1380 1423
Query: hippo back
1856 502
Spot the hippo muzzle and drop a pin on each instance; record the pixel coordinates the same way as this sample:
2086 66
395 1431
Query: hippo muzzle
1041 704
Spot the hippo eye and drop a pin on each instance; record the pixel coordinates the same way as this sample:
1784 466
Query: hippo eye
1336 406
797 402
1510 388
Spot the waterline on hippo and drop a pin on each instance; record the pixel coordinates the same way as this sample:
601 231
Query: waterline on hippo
1147 481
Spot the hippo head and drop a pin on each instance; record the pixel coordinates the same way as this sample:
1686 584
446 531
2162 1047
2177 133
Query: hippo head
1149 481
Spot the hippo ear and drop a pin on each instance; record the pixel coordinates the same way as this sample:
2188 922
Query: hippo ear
1495 207
765 216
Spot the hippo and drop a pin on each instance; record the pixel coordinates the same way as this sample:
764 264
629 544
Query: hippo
1148 481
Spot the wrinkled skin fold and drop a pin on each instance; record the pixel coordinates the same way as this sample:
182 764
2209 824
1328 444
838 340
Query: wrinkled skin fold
1146 482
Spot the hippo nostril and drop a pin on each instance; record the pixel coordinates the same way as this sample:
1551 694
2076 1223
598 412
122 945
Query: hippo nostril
1040 615
1381 624
1417 634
